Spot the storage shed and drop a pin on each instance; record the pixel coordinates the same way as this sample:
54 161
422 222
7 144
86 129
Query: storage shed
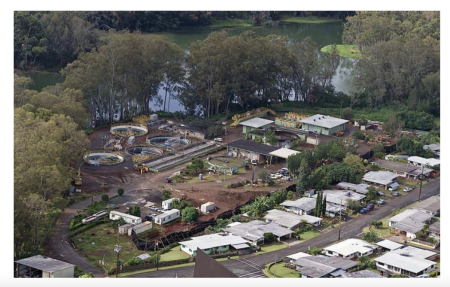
207 207
43 267
123 229
144 226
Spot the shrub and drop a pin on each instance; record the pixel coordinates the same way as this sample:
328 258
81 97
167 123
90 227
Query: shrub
86 275
134 261
166 194
135 210
105 197
189 214
359 136
314 251
120 191
269 237
347 113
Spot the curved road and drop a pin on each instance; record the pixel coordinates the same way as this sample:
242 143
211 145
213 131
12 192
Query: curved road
348 230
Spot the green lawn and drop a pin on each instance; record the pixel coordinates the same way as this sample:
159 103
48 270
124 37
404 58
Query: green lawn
278 270
310 20
272 247
309 235
345 51
174 254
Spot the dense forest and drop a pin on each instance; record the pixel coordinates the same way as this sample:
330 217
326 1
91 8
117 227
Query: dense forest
113 68
400 62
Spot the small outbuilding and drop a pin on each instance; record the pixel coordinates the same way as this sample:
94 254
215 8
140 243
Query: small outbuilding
254 124
123 229
43 267
207 207
140 228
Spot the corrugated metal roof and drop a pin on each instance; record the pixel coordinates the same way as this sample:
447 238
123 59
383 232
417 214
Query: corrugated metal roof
324 121
46 264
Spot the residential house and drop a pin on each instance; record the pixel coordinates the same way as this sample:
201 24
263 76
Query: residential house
323 267
254 231
304 205
434 148
350 248
290 220
431 205
434 230
213 243
409 222
409 261
405 170
325 125
251 150
420 161
360 188
383 179
338 199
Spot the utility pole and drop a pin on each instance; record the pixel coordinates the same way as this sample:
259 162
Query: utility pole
420 188
117 248
340 218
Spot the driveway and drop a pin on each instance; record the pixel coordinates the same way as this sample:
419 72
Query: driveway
349 230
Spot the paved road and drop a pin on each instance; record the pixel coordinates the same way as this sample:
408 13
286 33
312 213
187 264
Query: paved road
351 229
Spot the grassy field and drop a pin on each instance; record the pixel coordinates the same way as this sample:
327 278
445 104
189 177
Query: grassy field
98 243
279 271
230 23
272 247
345 51
309 20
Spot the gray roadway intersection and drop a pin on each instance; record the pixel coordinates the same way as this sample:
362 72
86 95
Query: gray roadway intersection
250 266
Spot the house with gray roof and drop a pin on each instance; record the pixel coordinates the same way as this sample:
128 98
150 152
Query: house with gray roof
362 274
389 245
290 220
431 205
339 198
409 222
254 231
434 230
402 169
434 148
409 261
324 125
304 205
384 179
360 188
213 243
323 266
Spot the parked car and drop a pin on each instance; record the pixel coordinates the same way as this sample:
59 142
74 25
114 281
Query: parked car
275 175
150 217
363 210
381 202
392 188
283 171
218 140
407 189
154 208
380 193
370 206
395 193
168 180
254 162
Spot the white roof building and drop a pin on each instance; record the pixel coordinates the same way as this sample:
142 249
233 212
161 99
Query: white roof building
350 248
324 121
256 123
284 152
420 161
410 221
298 255
409 261
211 241
389 245
43 267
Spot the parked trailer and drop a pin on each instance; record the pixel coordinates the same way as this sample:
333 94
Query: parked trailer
95 217
144 226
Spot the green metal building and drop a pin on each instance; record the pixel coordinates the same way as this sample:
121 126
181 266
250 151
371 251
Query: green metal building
324 125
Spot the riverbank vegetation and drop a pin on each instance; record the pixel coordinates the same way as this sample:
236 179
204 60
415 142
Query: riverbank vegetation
345 51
